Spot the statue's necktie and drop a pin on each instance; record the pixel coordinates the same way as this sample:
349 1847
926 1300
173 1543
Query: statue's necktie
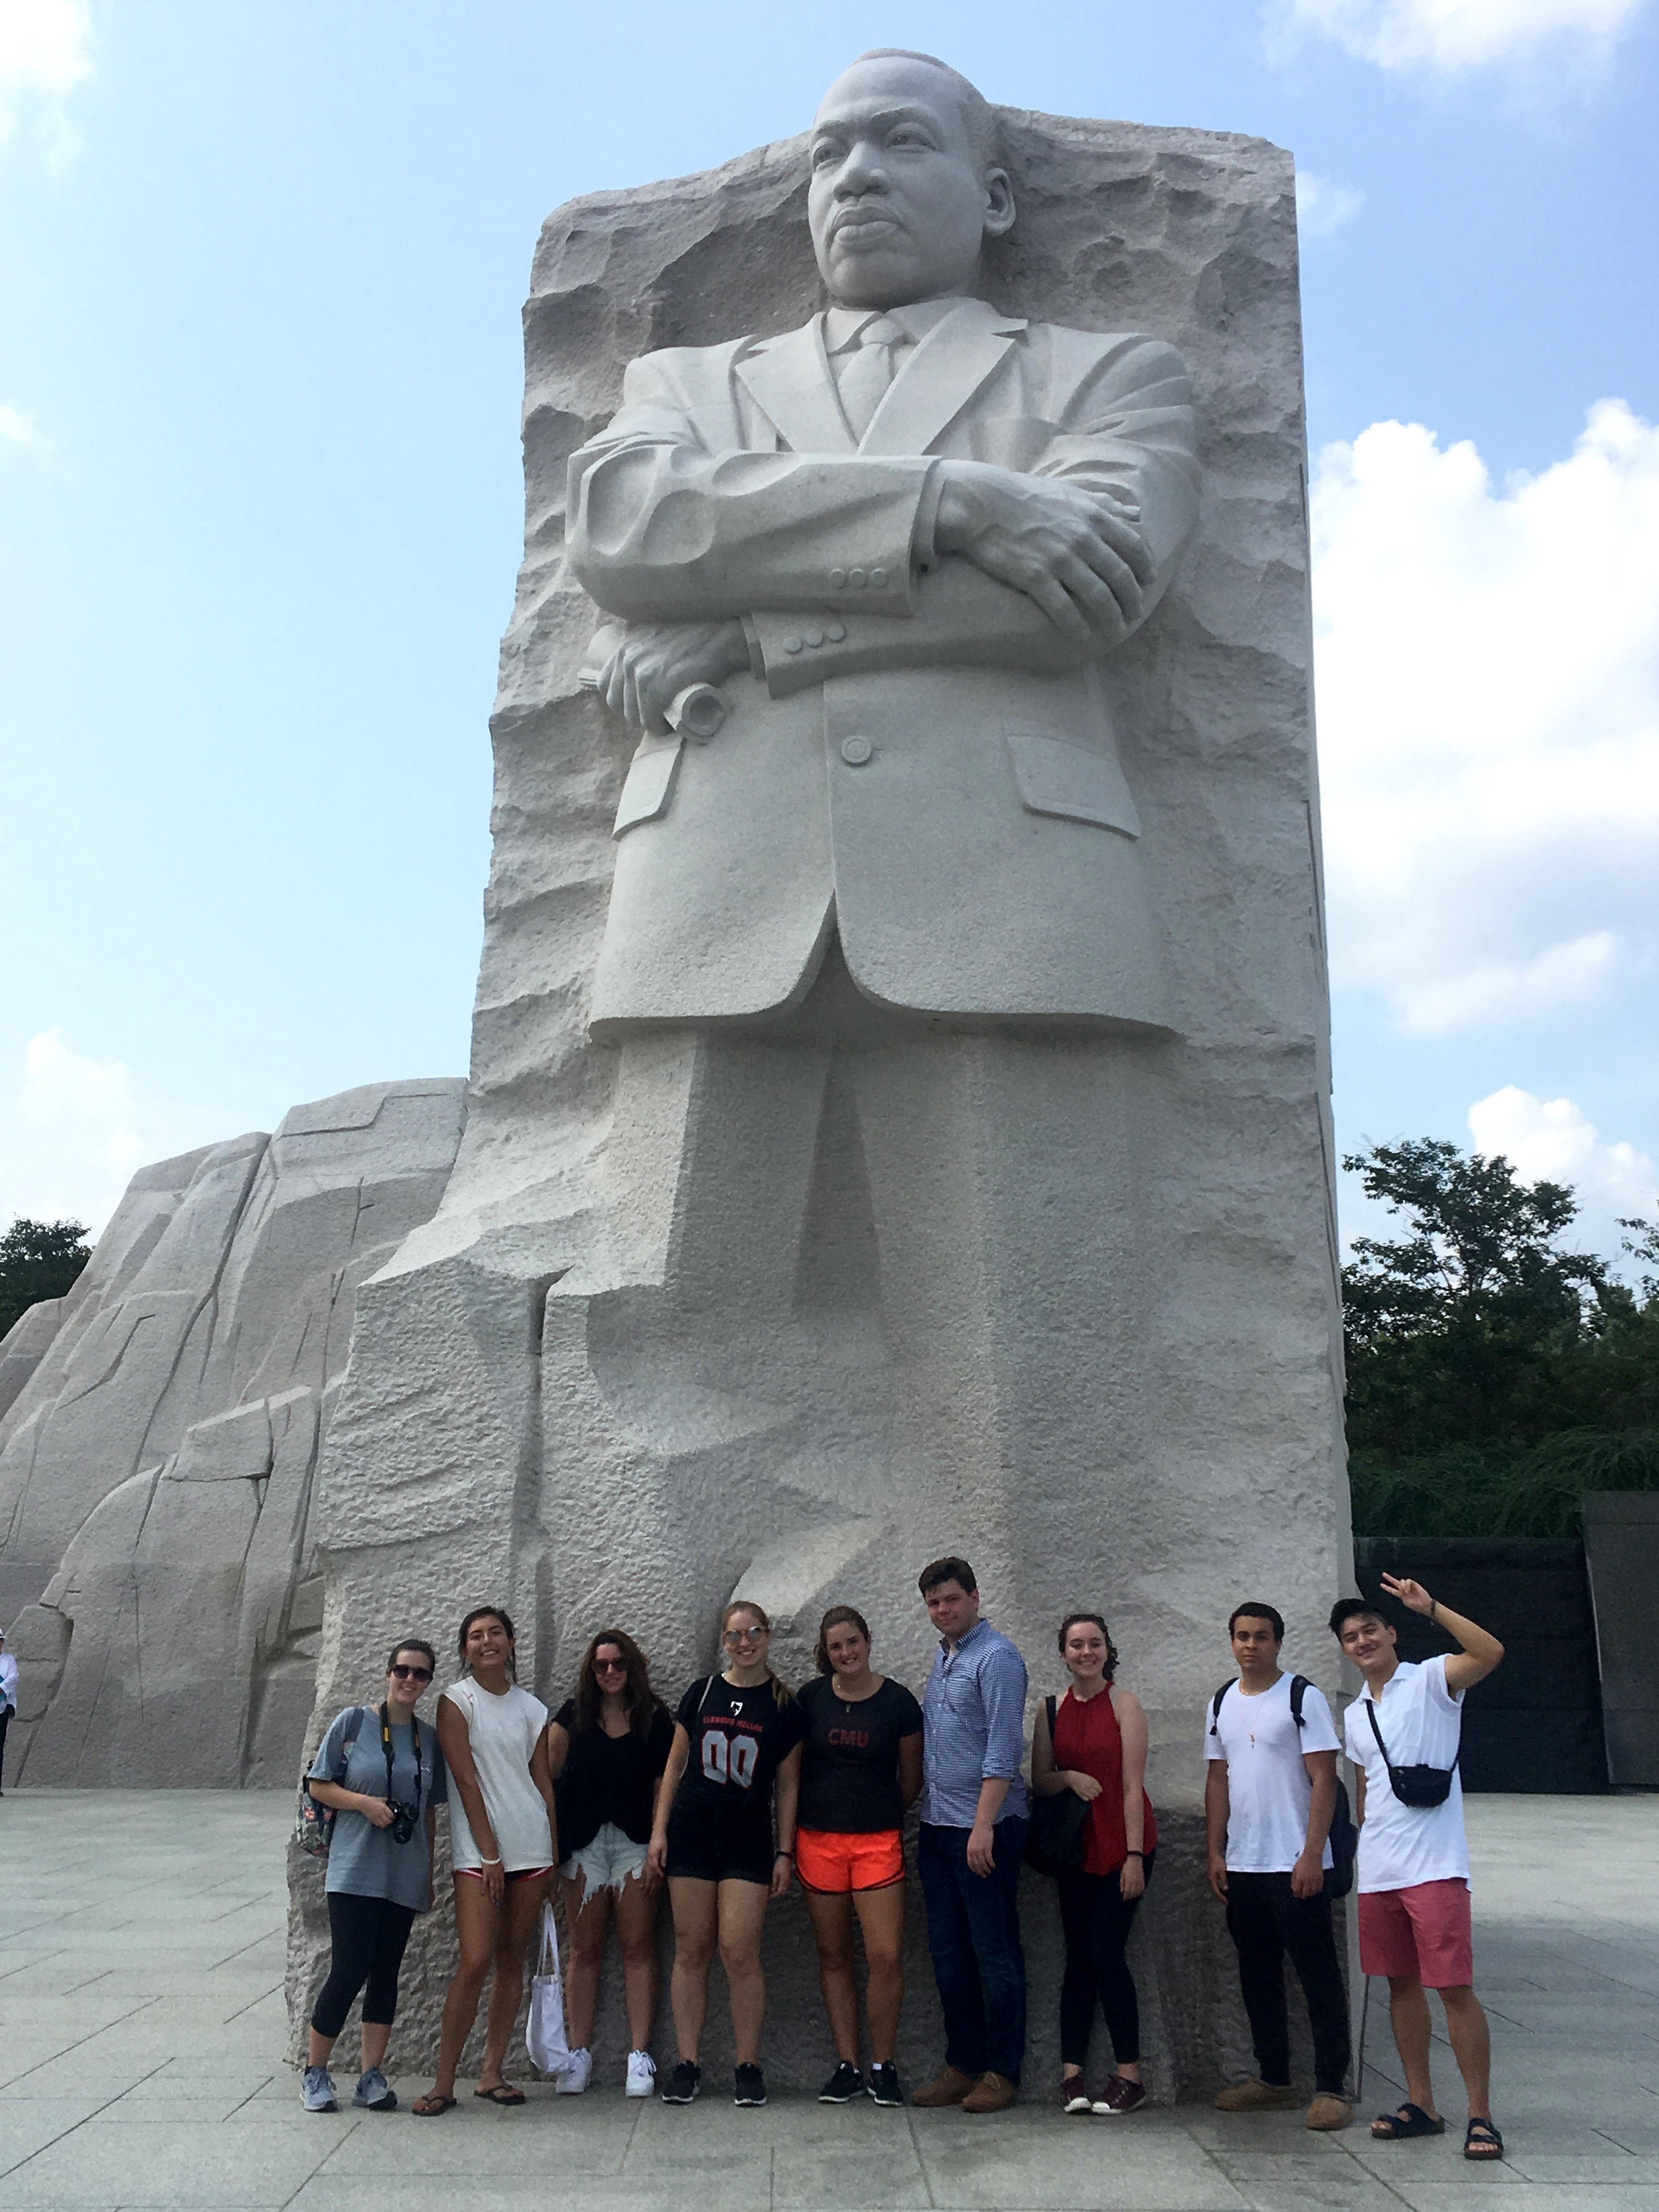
867 371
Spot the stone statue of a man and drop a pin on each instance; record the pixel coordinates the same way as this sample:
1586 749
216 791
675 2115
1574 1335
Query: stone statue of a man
902 539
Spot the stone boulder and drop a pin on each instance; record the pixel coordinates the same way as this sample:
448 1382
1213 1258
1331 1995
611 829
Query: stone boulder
157 1455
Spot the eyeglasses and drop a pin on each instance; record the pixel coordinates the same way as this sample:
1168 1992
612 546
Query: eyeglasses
734 1636
410 1674
611 1666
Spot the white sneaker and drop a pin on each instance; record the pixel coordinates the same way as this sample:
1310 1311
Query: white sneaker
577 2076
642 2073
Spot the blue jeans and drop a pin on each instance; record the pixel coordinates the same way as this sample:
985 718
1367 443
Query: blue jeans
973 1932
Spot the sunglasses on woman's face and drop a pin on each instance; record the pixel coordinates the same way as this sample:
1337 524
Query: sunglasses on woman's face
743 1635
411 1674
611 1666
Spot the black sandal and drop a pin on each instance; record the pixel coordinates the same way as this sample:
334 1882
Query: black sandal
1409 2120
1482 2141
500 2093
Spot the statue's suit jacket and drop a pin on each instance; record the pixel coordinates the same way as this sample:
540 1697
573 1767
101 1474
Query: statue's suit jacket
917 756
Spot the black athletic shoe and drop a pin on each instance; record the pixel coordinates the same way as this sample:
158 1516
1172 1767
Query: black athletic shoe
883 2085
750 2086
682 2084
844 2085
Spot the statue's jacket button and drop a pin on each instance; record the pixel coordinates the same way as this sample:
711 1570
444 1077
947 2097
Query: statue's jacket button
856 750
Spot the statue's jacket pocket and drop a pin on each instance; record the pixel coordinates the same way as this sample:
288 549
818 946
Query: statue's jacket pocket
1073 781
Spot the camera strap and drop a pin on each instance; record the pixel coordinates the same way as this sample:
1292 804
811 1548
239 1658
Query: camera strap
386 1745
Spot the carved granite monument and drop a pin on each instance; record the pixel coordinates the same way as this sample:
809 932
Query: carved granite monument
899 1108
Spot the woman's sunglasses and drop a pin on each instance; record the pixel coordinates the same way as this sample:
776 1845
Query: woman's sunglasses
410 1674
611 1666
743 1635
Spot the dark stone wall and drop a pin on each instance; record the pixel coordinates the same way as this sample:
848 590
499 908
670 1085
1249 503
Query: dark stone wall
1536 1725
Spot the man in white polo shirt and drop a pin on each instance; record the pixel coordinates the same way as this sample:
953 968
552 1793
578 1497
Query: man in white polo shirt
1268 1798
1403 1736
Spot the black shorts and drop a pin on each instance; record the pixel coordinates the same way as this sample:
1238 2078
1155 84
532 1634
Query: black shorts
719 1850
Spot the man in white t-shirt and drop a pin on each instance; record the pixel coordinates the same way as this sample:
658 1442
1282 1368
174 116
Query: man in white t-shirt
1268 1798
1403 1736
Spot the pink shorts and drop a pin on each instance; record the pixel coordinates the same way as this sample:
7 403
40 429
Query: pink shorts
1423 1931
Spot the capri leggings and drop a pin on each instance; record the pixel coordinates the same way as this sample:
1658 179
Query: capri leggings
368 1936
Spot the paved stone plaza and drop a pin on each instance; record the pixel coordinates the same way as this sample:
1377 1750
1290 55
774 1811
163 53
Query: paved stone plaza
141 2029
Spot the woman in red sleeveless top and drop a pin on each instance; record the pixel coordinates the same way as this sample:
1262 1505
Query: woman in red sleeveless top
1098 1751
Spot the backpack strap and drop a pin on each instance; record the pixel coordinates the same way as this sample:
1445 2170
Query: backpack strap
1298 1692
1051 1705
353 1729
1215 1704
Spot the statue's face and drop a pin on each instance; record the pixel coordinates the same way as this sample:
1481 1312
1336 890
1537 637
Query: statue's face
898 206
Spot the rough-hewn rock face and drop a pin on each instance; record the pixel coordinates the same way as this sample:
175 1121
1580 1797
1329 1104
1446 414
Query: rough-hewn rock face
531 1418
156 1462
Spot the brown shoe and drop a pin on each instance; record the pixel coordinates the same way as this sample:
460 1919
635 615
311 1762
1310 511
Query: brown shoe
1327 2114
992 2093
948 2087
1256 2097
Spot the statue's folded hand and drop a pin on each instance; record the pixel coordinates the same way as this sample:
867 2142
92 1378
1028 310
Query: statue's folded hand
655 662
1078 553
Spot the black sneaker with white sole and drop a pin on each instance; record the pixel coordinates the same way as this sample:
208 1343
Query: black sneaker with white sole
883 2085
682 2084
749 2088
844 2085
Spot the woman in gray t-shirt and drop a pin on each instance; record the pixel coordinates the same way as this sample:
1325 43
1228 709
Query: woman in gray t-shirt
382 1772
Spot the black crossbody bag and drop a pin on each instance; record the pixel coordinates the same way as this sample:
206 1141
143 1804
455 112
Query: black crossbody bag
1422 1788
1054 1842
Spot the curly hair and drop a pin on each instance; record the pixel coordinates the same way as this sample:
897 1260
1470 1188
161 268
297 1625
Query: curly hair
1070 1622
640 1700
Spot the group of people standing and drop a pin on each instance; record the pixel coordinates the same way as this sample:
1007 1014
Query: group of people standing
749 1786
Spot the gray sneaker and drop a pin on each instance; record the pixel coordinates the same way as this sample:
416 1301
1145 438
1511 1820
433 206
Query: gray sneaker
374 2093
318 2092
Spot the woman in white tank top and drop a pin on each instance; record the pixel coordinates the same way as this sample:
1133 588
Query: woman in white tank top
503 1838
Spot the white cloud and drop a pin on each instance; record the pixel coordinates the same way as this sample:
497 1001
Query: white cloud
45 51
16 429
1553 1141
1488 687
71 1136
1452 35
1323 207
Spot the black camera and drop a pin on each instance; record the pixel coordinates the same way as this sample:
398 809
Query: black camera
404 1817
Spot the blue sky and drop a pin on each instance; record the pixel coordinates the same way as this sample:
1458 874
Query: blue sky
259 519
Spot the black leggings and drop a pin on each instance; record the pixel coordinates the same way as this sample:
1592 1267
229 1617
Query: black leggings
1096 1919
368 1934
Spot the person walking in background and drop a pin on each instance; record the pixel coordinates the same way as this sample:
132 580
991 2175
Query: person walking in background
974 1827
382 1777
1269 1795
1095 1747
1403 1736
607 1747
502 1843
7 1703
860 1772
737 1737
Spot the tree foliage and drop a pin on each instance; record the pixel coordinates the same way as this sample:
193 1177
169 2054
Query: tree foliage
1493 1375
38 1260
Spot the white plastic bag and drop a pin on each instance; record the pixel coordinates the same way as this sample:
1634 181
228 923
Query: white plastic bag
549 2045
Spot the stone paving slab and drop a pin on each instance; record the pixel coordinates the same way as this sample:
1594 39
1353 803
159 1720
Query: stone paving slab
141 2029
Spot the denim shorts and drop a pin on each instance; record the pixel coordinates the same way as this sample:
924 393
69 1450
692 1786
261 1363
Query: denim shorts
607 1863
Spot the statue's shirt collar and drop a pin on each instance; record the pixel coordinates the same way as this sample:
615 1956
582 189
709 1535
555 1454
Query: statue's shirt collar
844 326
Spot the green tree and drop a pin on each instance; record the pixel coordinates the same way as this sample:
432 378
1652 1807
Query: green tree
38 1259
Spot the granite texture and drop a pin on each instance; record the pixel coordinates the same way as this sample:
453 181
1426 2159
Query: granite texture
1067 1302
157 1574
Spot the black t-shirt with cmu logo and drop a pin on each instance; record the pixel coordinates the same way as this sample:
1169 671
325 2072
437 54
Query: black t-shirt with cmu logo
739 1738
849 1771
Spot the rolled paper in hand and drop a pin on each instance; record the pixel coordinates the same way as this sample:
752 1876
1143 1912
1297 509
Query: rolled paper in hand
696 712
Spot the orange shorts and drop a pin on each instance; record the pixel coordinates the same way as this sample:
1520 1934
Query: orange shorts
836 1863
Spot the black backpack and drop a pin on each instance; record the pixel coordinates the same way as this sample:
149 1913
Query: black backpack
1344 1836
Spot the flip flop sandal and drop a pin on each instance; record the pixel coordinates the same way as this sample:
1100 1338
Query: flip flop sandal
502 2093
430 2106
1409 2120
1483 2143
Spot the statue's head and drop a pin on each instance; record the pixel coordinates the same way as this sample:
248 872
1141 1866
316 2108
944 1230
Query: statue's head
906 187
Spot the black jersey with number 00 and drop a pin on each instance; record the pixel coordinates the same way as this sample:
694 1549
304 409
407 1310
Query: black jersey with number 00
739 1738
849 1774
